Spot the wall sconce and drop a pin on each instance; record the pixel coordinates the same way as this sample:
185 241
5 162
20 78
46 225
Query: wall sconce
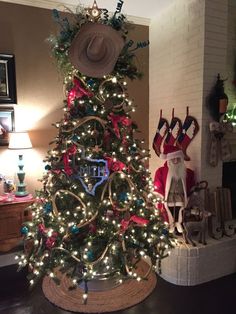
20 141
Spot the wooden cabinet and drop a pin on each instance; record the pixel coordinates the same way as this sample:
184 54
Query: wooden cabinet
12 215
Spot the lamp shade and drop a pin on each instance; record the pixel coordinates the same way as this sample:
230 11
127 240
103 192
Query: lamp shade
19 140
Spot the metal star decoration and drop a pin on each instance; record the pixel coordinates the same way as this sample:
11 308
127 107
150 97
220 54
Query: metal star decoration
94 12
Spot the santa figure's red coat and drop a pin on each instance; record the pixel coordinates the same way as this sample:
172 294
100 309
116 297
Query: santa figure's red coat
162 182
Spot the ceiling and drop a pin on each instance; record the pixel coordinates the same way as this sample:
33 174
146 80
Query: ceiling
142 11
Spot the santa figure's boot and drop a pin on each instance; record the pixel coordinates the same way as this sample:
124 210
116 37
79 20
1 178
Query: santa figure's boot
189 131
162 129
174 131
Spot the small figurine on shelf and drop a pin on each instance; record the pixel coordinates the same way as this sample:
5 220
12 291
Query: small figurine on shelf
8 187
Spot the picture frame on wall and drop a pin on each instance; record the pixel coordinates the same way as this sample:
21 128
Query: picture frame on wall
6 125
7 79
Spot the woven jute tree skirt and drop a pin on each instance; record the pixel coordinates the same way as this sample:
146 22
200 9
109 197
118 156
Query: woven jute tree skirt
126 295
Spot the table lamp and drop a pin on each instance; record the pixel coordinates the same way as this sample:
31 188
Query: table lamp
20 141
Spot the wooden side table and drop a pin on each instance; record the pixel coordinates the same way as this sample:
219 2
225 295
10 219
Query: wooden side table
12 215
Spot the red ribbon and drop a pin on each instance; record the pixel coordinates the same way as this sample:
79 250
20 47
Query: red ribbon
41 228
115 165
138 220
115 119
66 159
77 91
50 242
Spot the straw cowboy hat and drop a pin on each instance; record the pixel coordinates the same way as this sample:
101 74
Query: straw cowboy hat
95 49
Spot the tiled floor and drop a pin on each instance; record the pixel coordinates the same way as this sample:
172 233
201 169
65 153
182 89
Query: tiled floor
215 297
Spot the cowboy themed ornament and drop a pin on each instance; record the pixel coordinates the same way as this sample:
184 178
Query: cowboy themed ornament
189 131
94 12
95 49
161 131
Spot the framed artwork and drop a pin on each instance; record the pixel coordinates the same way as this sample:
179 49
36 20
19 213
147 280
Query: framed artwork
6 125
7 79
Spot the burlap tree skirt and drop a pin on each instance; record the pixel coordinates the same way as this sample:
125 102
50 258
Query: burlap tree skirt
129 293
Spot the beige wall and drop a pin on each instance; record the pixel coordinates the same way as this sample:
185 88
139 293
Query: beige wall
23 32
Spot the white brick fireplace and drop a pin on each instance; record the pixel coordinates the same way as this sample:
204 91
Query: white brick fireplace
190 43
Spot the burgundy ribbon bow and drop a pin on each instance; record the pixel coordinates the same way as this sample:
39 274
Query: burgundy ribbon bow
115 165
42 229
115 119
138 220
77 91
66 158
50 242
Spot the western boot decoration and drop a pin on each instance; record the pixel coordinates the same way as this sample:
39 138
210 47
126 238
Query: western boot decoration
189 130
162 129
174 131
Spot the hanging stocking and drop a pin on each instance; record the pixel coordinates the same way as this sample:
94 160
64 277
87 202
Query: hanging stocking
174 131
189 131
160 134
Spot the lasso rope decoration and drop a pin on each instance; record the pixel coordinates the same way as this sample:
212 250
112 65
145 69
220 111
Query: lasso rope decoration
83 261
126 265
108 186
83 121
102 98
55 210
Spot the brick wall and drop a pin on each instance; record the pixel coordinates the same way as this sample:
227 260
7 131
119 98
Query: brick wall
188 47
176 69
215 54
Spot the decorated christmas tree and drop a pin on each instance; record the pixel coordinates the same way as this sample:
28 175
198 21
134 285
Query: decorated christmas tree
96 215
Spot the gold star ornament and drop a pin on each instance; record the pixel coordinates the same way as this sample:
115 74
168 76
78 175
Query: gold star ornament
94 12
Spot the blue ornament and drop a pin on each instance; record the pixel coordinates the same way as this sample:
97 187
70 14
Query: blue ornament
55 14
165 231
133 150
24 230
74 229
90 255
48 167
139 201
74 138
89 110
47 207
123 197
91 82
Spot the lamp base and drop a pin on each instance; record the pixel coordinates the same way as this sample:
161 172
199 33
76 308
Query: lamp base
19 194
20 190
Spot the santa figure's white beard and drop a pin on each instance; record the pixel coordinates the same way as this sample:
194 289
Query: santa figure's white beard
176 171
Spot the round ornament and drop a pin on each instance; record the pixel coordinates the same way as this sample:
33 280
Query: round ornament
24 230
74 229
47 207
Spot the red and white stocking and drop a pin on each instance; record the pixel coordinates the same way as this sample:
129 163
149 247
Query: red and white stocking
162 129
189 131
174 131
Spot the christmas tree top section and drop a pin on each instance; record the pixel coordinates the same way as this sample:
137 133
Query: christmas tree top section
95 44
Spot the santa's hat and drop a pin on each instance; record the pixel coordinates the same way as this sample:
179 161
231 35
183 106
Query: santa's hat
170 152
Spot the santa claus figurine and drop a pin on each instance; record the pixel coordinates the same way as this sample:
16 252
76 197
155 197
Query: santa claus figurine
173 182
